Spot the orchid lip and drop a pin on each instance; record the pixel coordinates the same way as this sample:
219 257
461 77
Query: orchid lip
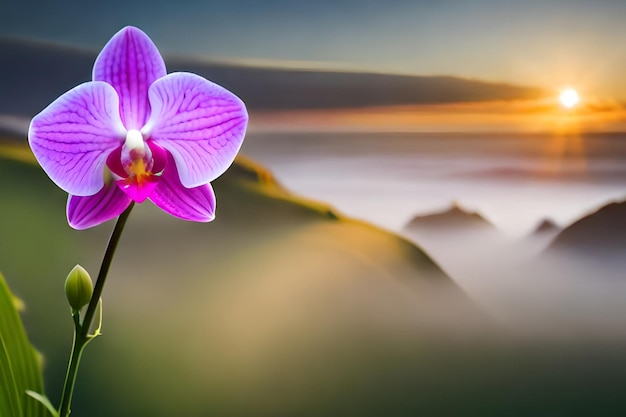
136 155
137 161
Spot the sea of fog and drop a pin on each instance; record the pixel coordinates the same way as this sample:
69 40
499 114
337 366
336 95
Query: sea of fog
514 180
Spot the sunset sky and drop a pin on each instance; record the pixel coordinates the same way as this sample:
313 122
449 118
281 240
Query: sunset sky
550 44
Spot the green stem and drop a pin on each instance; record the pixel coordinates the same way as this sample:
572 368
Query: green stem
72 370
81 331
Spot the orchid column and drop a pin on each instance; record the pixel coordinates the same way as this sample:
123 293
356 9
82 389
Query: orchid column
135 133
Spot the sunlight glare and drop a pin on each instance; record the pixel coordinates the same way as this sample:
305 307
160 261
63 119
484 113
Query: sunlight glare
569 98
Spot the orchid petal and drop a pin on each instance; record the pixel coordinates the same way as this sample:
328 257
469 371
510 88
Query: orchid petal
72 137
89 211
195 204
130 62
200 123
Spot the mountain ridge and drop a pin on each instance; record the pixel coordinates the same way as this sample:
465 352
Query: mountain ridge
34 73
599 232
452 217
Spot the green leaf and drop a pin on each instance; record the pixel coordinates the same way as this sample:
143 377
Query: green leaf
19 368
43 400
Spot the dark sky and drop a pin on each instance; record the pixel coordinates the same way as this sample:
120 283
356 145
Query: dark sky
543 43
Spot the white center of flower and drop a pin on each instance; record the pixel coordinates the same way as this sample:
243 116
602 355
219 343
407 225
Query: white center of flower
134 141
136 156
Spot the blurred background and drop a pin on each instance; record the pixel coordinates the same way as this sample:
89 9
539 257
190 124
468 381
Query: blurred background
427 217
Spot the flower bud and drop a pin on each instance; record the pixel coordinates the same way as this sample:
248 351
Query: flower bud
78 288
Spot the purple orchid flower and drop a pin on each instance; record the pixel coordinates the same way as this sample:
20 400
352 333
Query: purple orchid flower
136 133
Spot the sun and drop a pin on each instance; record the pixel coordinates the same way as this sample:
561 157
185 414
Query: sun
568 98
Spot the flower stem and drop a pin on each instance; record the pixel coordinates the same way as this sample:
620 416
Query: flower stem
81 330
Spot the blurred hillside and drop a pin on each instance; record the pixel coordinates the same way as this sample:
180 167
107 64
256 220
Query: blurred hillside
277 292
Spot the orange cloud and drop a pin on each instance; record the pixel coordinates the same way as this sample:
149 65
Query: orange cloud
543 115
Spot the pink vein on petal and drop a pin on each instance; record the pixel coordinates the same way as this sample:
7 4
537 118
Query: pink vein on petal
89 211
130 62
195 204
73 135
201 123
